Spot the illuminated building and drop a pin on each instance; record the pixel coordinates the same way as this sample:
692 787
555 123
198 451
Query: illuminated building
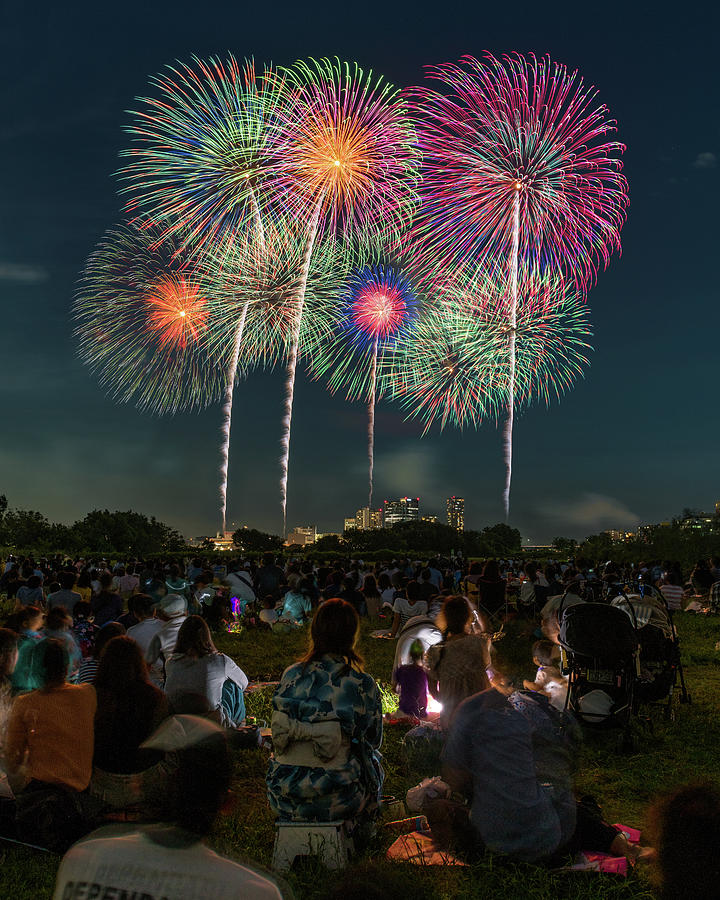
367 519
404 509
456 513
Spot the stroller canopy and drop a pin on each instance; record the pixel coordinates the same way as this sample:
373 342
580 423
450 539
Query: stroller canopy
598 631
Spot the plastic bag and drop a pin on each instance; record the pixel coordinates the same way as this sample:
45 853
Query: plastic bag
428 789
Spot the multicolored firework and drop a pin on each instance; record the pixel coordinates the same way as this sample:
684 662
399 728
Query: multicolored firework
344 162
526 131
379 307
516 166
455 366
259 279
142 319
198 162
345 142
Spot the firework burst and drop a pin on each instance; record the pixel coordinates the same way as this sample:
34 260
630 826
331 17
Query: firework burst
198 162
455 366
380 306
345 142
517 166
143 316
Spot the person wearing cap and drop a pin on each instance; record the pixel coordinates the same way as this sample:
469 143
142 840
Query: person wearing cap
169 859
173 610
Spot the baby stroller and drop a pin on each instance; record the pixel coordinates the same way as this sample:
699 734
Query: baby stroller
419 628
660 665
599 651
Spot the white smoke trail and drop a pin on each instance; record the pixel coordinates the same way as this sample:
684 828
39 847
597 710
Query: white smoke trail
230 378
371 423
508 430
292 365
227 416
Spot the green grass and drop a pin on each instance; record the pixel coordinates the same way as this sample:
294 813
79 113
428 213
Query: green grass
624 784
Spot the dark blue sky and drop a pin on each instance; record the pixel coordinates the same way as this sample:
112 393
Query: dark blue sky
635 441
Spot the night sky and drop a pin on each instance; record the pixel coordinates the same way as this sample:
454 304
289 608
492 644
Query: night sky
636 441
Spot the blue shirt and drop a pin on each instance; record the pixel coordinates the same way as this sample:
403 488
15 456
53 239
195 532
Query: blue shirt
491 743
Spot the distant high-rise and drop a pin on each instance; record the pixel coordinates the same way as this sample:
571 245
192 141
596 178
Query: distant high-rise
350 523
404 509
456 513
366 518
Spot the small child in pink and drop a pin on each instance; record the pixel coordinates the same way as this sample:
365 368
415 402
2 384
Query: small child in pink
549 680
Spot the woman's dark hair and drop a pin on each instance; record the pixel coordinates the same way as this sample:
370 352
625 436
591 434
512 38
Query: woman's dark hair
82 608
67 580
105 581
370 588
122 664
83 579
27 615
105 635
53 659
333 632
491 570
384 581
194 638
412 591
34 581
456 613
57 618
8 644
685 830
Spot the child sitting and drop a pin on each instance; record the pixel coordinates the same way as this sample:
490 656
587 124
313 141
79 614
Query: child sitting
548 679
413 684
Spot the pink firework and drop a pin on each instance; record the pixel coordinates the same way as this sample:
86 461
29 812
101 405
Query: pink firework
518 136
379 308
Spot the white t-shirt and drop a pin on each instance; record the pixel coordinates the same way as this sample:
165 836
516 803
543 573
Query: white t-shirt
133 865
203 677
242 589
407 611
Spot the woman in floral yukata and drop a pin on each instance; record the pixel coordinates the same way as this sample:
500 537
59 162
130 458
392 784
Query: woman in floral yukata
327 728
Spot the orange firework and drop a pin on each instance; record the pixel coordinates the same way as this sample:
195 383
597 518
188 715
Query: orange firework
177 313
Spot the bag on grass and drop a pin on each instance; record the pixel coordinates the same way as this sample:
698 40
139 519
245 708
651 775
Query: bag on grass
51 816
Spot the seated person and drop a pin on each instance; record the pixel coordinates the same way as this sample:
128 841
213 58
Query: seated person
326 727
89 666
506 751
405 608
129 709
25 676
268 613
413 684
685 827
51 731
456 666
172 612
549 680
169 859
202 680
296 604
58 624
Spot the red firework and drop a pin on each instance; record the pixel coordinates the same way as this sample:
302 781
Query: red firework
177 312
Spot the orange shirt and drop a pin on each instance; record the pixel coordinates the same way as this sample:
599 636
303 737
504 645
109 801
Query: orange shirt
51 735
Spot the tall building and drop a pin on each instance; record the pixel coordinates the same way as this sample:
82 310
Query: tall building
367 518
456 513
404 509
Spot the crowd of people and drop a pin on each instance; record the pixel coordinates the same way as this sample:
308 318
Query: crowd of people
98 658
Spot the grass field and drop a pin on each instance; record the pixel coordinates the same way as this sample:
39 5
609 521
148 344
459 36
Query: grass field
624 785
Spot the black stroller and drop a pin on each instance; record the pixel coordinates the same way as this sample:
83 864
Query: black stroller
599 648
660 664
